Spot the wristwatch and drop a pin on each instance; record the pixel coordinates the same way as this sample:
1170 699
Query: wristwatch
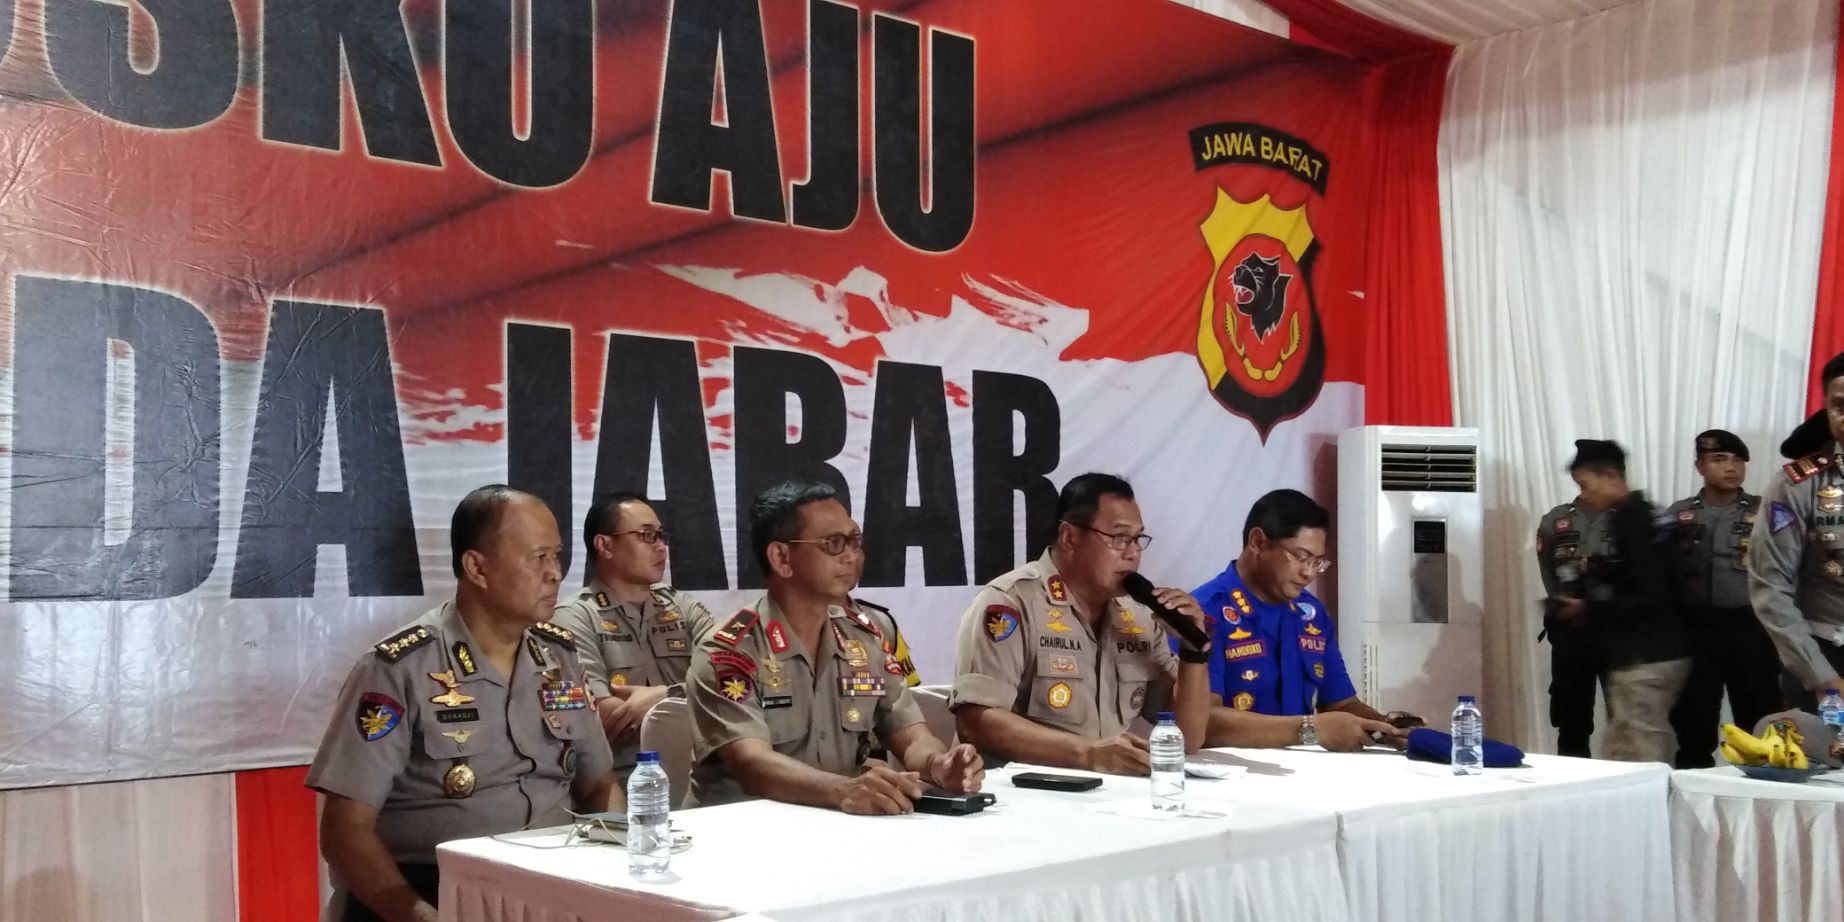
1309 734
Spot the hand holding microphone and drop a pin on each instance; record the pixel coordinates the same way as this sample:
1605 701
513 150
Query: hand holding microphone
1174 607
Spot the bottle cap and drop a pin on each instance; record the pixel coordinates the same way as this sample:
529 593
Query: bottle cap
1831 691
1467 699
648 756
1167 715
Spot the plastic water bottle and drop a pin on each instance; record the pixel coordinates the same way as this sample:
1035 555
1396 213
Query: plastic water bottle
649 822
1168 764
1831 710
1468 738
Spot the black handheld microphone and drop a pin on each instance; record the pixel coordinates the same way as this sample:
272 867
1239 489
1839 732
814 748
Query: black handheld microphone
1141 590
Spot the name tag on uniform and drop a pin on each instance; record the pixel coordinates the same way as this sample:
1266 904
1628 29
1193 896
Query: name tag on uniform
1245 650
774 702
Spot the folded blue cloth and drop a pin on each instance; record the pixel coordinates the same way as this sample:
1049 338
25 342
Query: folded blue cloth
1427 745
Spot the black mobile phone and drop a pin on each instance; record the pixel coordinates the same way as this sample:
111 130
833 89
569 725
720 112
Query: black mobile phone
945 804
1045 781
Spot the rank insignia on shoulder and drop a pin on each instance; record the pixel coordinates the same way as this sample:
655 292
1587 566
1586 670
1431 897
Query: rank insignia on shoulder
736 628
1802 470
465 657
393 648
601 600
553 633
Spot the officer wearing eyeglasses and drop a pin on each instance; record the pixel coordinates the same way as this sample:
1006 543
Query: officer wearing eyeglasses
1276 646
1054 663
634 633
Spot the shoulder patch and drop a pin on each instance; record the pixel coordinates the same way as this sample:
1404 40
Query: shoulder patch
735 629
553 633
393 648
1779 518
1802 470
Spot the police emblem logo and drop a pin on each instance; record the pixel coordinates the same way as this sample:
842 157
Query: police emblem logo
1001 622
1243 701
377 716
1834 569
1062 664
1137 699
1229 615
1056 622
677 645
458 782
617 679
1564 523
1687 517
1318 670
1708 443
853 715
1058 696
734 686
1250 675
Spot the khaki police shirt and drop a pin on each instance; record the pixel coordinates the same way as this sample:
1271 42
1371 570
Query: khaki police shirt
1026 647
753 679
399 733
1710 549
1796 562
624 643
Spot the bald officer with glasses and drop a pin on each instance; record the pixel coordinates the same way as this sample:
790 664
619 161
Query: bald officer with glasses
1054 663
1277 649
634 633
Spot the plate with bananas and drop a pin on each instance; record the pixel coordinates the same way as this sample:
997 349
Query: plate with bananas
1776 755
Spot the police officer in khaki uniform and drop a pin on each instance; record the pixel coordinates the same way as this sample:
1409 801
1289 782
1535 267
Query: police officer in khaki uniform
1796 557
471 721
789 697
633 632
1709 544
1053 663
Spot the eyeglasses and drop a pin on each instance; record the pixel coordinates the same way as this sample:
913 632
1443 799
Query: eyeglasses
646 535
833 544
1306 559
1119 542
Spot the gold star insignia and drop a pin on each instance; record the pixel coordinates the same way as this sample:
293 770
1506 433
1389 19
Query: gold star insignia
735 689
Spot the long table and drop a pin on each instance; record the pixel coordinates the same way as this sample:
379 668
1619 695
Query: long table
1747 849
1302 835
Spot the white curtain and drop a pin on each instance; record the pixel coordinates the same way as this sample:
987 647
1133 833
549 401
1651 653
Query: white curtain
1252 13
137 851
1456 21
1632 204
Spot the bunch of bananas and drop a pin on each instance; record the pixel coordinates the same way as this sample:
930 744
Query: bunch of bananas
1778 746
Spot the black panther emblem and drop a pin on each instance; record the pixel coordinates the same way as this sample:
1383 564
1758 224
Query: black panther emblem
1261 293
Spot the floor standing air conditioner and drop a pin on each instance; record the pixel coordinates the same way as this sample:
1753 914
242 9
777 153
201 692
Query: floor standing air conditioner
1411 559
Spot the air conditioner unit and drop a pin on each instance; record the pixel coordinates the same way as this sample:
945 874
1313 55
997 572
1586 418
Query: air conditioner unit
1411 562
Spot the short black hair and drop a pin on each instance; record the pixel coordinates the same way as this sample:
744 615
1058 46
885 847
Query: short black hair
774 515
1281 514
603 511
1081 496
477 516
1599 455
1831 369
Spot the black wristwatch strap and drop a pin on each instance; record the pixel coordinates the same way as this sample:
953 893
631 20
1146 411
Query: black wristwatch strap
1188 655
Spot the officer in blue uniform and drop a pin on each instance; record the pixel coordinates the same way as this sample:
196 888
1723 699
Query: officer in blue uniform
1276 646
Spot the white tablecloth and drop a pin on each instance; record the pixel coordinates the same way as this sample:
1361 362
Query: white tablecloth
1308 835
1038 856
1747 849
1566 839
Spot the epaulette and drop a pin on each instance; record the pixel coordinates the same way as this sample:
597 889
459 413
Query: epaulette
867 604
862 620
662 594
735 629
1803 469
393 648
554 634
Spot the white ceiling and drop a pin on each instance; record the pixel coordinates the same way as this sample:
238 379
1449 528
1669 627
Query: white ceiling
1451 21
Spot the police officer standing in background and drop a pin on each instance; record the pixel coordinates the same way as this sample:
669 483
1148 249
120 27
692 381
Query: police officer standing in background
1796 557
471 721
1610 613
635 633
1710 536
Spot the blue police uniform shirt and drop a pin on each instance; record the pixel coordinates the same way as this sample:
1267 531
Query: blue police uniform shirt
1272 659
